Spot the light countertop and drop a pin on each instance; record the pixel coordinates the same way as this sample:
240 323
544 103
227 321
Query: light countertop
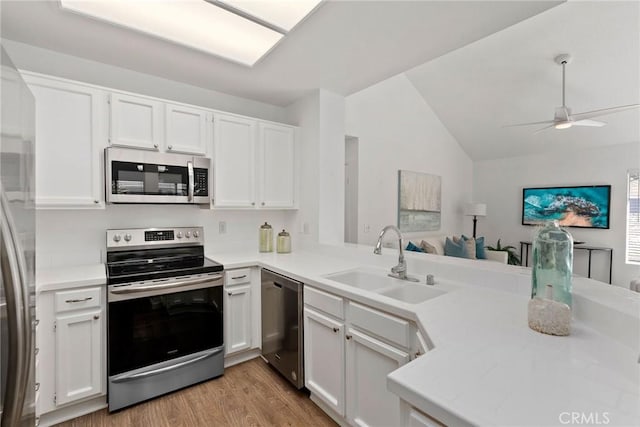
487 367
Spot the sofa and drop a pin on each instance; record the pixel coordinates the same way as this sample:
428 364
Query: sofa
436 245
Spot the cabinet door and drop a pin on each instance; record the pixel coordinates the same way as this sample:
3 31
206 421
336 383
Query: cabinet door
369 361
234 143
237 319
78 356
186 129
71 134
277 164
324 358
135 122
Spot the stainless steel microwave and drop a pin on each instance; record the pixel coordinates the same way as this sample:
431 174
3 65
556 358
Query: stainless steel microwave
138 176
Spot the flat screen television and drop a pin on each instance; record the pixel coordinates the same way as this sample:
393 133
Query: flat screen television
584 206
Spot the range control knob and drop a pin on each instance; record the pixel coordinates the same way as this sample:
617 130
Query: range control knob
196 234
127 237
116 237
187 234
179 235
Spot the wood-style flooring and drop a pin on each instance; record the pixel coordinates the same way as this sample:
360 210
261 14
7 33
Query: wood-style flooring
248 394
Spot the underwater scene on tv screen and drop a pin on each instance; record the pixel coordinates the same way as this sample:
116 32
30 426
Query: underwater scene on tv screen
570 206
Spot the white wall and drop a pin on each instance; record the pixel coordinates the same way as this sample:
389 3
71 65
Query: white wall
397 129
31 58
499 184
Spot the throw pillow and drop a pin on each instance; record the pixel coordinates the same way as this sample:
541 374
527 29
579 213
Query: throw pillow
470 243
481 252
414 248
428 248
455 249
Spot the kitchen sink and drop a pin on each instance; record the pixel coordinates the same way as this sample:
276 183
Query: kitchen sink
364 279
412 294
379 282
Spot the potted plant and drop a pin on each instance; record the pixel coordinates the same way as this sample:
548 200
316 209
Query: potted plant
513 258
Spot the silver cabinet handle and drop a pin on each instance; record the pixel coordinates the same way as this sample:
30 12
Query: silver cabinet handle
170 147
96 317
37 386
348 337
36 351
96 201
78 300
253 203
262 203
239 277
336 330
155 145
230 294
191 181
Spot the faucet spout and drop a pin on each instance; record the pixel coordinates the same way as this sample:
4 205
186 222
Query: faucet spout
399 271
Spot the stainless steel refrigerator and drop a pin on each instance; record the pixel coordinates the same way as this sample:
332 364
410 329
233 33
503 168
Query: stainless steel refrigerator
17 248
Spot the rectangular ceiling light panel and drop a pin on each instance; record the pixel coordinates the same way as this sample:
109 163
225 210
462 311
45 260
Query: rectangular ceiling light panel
194 23
284 14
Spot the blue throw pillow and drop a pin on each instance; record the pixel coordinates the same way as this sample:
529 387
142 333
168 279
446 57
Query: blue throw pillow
481 253
452 248
414 248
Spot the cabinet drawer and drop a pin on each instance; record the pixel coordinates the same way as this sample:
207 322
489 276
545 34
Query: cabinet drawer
77 299
328 303
384 325
237 277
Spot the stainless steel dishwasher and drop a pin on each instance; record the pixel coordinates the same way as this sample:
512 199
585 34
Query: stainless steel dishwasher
282 335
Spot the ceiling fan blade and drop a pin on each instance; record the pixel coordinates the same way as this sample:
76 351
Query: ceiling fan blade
603 112
587 122
528 124
545 128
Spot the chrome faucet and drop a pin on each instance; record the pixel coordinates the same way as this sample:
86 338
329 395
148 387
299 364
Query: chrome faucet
398 271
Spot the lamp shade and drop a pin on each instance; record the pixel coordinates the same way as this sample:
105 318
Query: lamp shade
475 209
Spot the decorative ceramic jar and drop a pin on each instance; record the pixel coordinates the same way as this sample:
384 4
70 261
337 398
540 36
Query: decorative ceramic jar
266 238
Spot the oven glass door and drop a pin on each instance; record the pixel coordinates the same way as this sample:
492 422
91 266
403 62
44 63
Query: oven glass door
153 329
149 179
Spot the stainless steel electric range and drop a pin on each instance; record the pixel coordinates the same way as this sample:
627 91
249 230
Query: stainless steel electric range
165 313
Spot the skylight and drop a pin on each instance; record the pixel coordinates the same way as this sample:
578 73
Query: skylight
238 30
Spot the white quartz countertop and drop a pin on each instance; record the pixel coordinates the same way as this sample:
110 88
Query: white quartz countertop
50 279
486 366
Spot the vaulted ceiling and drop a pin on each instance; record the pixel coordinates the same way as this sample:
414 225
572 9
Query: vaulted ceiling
480 65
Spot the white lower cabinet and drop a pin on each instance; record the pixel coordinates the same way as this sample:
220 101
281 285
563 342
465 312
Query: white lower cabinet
241 310
369 361
71 340
237 323
349 351
78 355
324 358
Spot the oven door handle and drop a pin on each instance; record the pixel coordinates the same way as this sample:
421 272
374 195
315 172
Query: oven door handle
191 181
171 285
131 377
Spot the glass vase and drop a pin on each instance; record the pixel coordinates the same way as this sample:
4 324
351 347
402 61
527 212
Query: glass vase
552 263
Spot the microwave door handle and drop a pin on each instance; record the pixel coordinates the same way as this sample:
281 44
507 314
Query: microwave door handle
191 180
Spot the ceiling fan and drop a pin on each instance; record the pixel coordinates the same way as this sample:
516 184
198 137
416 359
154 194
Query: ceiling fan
564 119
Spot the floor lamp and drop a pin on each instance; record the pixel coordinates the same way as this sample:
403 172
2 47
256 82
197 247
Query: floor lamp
475 210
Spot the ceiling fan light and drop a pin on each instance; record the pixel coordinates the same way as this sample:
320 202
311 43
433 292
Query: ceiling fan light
563 125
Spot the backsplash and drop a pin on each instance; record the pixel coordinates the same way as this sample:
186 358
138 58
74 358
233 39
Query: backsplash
76 237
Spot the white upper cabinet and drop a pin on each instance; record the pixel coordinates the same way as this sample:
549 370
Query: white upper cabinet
150 124
70 137
254 164
135 122
186 129
234 141
277 165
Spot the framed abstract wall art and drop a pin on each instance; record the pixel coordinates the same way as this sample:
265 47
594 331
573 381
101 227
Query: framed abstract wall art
419 201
